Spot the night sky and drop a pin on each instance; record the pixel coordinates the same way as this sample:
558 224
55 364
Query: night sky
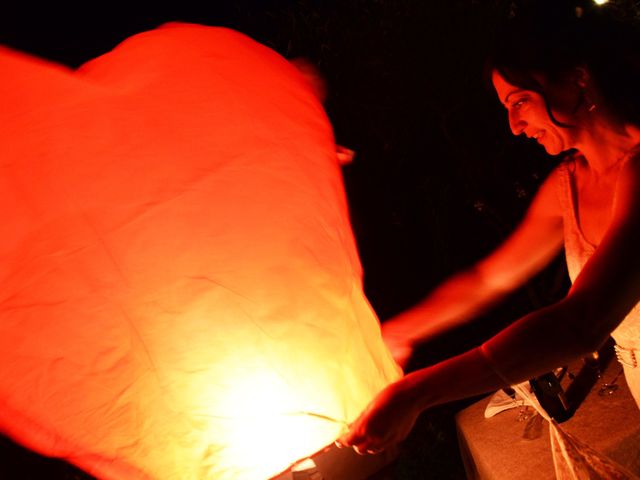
438 180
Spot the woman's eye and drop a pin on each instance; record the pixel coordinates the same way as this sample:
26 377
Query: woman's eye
519 103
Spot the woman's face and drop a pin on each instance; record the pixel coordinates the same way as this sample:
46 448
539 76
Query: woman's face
528 115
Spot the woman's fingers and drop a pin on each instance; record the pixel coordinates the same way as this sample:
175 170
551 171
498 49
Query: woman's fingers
360 441
367 448
355 436
370 447
387 420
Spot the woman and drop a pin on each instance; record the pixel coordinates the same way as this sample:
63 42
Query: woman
570 92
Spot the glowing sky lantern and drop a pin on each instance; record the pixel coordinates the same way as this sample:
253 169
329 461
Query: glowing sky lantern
180 292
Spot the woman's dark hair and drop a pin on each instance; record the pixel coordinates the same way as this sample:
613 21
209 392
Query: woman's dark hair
550 38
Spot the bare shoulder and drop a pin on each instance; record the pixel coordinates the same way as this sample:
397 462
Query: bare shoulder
547 201
627 190
630 170
631 164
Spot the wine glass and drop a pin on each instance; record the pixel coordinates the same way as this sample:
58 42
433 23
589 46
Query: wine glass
594 362
609 388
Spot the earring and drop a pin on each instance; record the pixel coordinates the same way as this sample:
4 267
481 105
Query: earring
584 100
589 104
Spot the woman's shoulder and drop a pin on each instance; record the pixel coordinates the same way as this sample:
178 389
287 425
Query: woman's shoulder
633 155
568 166
627 187
551 195
556 190
631 164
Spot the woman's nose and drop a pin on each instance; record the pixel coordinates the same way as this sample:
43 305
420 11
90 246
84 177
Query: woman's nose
516 123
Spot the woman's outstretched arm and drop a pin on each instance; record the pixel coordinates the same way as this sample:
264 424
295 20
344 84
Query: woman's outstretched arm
463 297
603 294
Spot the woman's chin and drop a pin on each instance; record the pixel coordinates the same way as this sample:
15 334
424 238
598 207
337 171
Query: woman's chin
553 149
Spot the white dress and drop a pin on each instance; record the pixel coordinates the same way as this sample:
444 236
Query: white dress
578 250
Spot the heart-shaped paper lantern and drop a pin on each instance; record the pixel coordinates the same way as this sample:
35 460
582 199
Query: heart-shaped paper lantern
180 292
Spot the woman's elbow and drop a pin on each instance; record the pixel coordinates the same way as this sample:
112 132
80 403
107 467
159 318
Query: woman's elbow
588 323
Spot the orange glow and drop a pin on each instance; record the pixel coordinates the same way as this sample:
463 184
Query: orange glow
181 294
271 433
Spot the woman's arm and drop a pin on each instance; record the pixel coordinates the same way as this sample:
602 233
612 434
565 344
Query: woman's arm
464 296
603 294
606 290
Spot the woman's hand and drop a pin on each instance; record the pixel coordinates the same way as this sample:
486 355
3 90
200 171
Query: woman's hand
386 421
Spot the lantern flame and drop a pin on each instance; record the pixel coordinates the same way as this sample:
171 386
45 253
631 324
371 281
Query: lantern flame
262 436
